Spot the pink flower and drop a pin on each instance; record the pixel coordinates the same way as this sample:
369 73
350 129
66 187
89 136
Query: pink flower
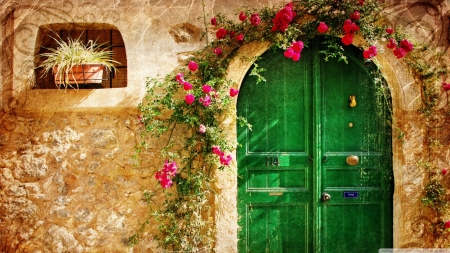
233 92
283 18
216 150
296 56
297 46
347 39
187 86
231 33
218 51
206 88
255 19
240 37
446 86
205 101
192 66
406 45
214 21
180 78
447 225
399 52
225 160
355 15
202 128
242 16
392 43
288 53
189 98
389 30
370 53
322 27
165 175
221 33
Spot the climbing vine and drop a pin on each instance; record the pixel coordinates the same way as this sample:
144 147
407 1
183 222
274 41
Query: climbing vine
184 110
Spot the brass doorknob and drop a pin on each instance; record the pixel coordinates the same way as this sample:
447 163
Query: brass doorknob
325 196
352 160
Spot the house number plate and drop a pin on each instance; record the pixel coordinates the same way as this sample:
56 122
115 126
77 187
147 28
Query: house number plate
351 195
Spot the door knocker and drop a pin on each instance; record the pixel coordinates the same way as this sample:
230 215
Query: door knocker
352 101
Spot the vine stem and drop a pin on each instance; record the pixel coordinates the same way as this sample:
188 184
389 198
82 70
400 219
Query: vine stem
204 21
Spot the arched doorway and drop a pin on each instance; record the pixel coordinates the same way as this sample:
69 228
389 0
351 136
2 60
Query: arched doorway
310 142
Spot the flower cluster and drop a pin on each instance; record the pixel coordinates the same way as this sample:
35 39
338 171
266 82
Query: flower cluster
283 18
370 53
224 159
446 86
350 28
165 175
322 28
400 49
294 50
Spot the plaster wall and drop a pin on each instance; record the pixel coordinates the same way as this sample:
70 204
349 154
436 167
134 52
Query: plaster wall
67 178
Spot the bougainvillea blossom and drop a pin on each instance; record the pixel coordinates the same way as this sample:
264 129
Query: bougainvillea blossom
206 101
225 160
392 43
240 37
218 51
165 175
242 16
322 28
189 98
446 86
370 53
192 66
180 78
202 128
187 86
216 150
206 88
233 92
255 19
221 33
283 18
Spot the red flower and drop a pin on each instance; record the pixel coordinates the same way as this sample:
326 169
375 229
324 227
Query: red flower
283 18
206 88
214 21
231 33
187 86
389 30
347 39
361 2
221 33
233 92
180 78
444 171
205 101
242 16
370 53
296 56
288 53
297 46
255 19
192 66
218 51
350 27
355 15
399 52
392 43
189 98
447 225
322 27
446 86
225 160
240 37
406 45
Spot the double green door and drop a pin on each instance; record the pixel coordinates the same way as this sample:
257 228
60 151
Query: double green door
314 171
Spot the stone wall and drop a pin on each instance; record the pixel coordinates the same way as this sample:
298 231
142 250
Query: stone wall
67 178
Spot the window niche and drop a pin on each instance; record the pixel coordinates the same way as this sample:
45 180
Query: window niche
105 34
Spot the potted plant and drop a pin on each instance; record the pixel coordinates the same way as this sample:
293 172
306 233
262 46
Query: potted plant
73 62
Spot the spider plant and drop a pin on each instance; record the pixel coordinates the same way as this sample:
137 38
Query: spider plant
73 52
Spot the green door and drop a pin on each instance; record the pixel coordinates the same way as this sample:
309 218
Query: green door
314 173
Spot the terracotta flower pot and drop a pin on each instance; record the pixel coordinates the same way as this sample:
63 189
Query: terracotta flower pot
80 74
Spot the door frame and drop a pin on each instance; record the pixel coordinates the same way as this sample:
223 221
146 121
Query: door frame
226 207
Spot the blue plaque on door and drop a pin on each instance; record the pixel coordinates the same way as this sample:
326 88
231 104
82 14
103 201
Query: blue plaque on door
351 195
